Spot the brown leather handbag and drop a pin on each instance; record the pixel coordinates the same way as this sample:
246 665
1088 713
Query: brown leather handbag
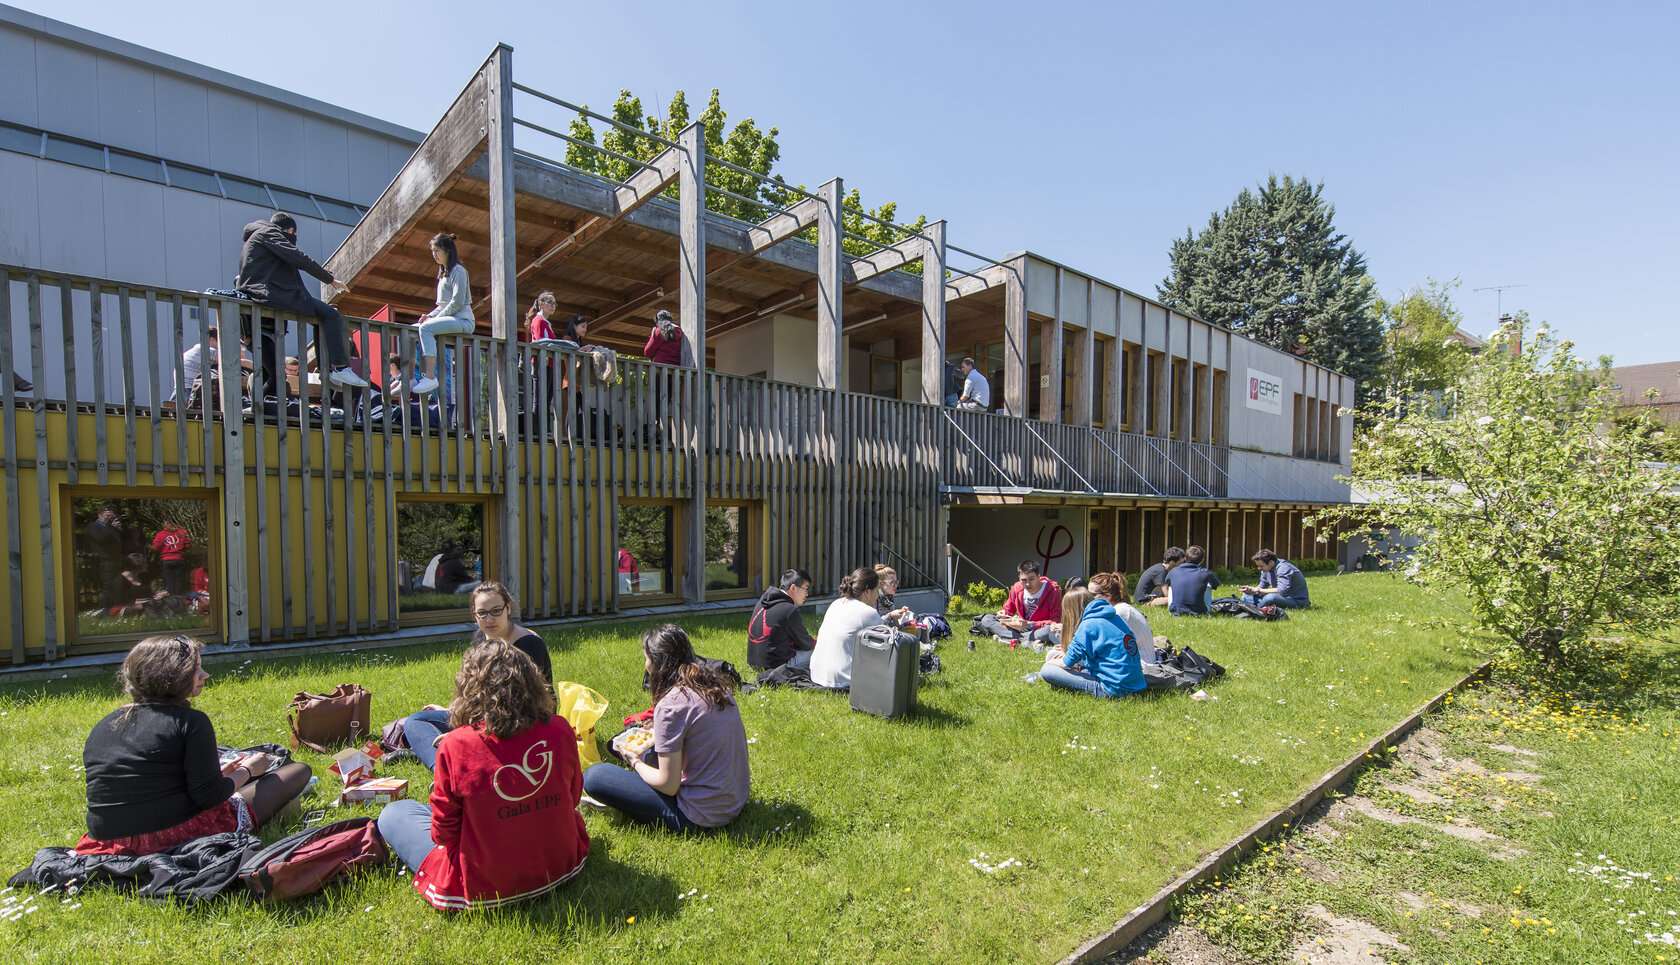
343 716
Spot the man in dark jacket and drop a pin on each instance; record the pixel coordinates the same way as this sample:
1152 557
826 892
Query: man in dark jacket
105 539
776 635
268 273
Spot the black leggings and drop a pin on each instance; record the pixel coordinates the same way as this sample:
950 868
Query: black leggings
269 794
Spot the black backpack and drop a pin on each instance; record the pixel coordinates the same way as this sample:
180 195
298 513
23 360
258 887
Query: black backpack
1180 669
1231 606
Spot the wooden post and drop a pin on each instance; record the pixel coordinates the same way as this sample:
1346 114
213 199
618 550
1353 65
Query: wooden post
691 303
1015 339
933 314
1050 360
504 308
829 260
1083 364
238 564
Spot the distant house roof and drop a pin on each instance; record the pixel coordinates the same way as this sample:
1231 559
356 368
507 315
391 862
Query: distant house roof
1635 380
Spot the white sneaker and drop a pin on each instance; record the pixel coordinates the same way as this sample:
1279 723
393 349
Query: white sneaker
347 378
588 801
424 385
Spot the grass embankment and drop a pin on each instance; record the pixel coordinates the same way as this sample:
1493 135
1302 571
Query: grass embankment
1537 825
1005 821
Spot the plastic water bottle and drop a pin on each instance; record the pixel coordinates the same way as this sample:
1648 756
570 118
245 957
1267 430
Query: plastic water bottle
971 645
313 786
1031 678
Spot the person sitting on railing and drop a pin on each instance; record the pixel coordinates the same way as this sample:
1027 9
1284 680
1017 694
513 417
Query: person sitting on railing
1191 585
976 392
1281 583
451 316
664 344
1033 612
776 634
1152 585
268 275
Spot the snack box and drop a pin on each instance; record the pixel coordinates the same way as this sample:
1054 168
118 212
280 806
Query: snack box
633 742
355 764
382 790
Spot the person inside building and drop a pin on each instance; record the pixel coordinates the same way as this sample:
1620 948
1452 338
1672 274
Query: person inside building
886 604
976 391
776 634
698 776
1191 584
1281 583
1100 657
1033 612
268 275
154 777
502 823
1152 585
495 613
845 619
1112 587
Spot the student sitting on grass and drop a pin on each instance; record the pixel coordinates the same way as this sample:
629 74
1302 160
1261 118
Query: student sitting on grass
776 634
1112 587
1281 583
699 777
1152 585
494 611
846 618
503 824
154 779
1032 611
1101 654
1190 585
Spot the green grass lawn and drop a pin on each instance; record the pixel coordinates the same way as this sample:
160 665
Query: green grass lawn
866 840
1574 780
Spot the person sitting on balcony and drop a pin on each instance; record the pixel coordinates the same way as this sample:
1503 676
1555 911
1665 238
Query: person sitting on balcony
195 362
1191 585
776 634
1152 585
664 344
452 315
1281 583
268 275
976 392
1033 611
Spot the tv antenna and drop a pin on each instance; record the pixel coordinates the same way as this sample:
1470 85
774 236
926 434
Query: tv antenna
1499 298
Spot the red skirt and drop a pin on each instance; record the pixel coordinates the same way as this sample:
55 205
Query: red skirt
217 820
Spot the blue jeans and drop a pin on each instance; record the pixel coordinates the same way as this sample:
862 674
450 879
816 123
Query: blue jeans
431 328
801 660
1079 680
1273 599
625 790
406 827
421 730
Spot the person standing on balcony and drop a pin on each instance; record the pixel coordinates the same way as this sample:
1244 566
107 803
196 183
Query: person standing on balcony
664 344
268 275
977 392
451 316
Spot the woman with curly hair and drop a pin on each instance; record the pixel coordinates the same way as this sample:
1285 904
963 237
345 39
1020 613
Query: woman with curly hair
154 778
698 778
502 825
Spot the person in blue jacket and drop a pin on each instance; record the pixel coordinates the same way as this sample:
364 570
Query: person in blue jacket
1100 656
1281 583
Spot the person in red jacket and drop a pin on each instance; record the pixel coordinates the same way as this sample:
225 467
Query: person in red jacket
170 544
1033 612
503 825
664 344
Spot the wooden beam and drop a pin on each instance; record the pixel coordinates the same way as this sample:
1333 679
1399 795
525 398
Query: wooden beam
459 137
691 287
830 258
886 259
1015 340
933 314
504 319
784 224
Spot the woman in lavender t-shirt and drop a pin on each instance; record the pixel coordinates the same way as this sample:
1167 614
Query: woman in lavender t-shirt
699 777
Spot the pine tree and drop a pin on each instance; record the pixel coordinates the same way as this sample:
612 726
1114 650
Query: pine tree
1273 267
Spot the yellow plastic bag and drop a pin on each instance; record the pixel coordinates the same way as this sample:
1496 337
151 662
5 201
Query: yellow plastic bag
582 708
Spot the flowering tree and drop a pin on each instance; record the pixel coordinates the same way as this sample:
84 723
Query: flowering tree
1553 526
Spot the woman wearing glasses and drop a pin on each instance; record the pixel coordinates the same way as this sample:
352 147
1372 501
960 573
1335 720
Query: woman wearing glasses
493 611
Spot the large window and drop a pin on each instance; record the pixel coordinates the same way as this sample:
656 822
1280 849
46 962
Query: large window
440 555
731 553
142 565
647 550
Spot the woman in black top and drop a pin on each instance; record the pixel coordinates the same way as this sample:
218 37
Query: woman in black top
154 779
493 611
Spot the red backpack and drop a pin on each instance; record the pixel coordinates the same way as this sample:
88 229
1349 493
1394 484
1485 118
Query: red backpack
304 863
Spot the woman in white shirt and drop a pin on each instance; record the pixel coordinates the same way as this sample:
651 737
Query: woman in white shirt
452 315
1112 587
847 617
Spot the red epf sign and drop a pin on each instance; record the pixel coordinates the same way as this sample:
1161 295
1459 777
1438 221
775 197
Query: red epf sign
1265 392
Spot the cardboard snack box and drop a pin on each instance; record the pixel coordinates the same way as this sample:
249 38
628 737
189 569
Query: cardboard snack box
354 764
382 790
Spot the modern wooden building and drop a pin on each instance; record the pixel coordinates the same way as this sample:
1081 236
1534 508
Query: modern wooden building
804 427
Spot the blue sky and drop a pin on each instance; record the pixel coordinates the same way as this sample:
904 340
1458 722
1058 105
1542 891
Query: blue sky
1529 144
